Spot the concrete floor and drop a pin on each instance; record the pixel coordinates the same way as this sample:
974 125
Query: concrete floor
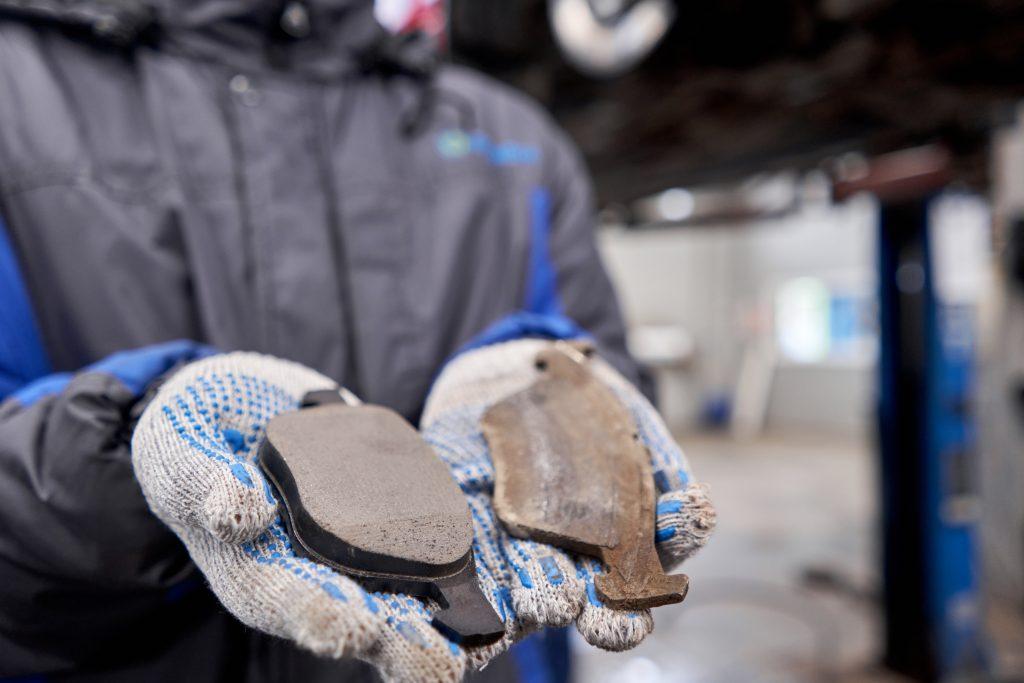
786 505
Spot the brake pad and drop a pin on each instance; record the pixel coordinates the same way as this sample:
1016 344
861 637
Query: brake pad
570 471
361 492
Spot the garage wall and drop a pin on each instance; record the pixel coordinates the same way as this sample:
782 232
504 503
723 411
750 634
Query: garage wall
718 283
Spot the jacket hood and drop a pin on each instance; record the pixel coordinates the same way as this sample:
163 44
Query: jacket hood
322 38
317 37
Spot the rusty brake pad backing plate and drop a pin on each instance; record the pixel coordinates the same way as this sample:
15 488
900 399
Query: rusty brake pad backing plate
363 493
570 471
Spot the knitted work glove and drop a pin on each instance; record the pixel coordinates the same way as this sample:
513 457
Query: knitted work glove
194 454
533 585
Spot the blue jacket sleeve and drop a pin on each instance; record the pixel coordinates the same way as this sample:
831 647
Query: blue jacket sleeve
567 292
578 276
22 357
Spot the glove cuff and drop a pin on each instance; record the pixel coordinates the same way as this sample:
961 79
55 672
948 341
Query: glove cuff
483 376
523 325
497 362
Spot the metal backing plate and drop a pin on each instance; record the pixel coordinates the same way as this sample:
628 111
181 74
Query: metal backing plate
570 471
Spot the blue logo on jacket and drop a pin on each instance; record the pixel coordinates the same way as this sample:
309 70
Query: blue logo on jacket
456 144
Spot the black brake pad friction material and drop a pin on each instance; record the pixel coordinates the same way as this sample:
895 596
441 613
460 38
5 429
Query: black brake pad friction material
362 492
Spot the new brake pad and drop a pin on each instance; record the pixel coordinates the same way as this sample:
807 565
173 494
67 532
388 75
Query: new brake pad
570 471
361 492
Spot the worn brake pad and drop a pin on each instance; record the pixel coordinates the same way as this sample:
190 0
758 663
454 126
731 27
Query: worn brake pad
361 492
570 471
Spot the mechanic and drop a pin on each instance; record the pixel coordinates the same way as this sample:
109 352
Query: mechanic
282 178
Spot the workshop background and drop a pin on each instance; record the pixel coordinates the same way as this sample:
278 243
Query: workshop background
814 214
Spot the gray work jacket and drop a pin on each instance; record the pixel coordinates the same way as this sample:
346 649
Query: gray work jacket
193 170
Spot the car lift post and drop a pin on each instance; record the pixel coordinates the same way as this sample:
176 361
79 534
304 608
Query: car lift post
924 429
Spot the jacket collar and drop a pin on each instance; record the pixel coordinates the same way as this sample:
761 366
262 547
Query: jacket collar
316 38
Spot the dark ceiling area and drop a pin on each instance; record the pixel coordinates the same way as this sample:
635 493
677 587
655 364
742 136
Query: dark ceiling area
742 86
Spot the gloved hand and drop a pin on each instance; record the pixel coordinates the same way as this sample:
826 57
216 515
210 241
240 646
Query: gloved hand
194 452
533 585
194 455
